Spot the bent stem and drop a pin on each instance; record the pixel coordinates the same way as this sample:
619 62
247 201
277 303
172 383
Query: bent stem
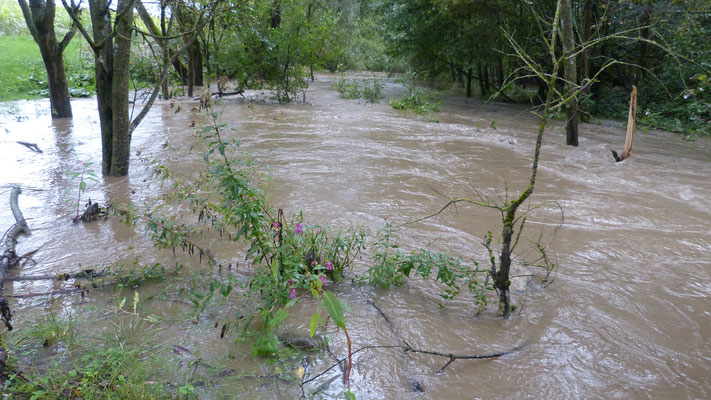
82 187
350 356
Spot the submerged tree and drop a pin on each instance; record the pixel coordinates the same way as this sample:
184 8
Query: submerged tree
39 17
110 41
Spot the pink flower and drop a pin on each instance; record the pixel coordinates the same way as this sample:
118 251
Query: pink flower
323 280
329 265
292 293
299 229
276 225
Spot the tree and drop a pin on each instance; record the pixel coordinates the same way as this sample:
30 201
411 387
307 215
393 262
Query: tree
571 74
39 17
111 44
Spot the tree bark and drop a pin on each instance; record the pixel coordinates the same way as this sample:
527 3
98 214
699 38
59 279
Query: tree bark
198 79
104 71
469 82
121 149
39 16
571 78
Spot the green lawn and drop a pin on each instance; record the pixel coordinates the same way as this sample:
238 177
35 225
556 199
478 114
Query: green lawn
22 73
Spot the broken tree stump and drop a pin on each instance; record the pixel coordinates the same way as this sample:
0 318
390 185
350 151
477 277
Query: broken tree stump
631 122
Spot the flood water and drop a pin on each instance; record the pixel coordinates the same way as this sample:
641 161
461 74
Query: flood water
627 315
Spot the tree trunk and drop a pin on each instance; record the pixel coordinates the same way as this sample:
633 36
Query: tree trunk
275 17
196 55
642 46
487 86
502 280
500 72
39 17
585 68
191 73
103 66
57 79
482 87
469 82
121 149
571 74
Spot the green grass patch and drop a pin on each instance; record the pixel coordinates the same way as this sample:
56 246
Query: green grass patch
22 72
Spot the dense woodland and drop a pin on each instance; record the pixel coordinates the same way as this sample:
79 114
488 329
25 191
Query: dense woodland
471 47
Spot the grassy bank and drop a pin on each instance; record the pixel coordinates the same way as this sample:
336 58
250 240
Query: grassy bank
22 73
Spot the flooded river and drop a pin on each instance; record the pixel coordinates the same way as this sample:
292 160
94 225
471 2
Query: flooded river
627 315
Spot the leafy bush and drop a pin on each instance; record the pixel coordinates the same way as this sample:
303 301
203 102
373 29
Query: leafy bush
391 267
416 101
347 89
371 90
289 257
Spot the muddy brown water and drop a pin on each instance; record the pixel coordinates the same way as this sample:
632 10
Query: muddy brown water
627 315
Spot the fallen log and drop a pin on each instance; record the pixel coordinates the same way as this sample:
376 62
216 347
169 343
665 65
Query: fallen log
9 259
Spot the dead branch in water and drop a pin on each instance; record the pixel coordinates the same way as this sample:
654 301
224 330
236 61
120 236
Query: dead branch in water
9 258
453 357
31 146
85 274
407 348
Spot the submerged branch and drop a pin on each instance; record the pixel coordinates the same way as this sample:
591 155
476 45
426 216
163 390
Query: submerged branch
453 202
453 357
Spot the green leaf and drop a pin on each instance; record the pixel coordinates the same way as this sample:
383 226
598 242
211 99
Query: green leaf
275 271
334 308
226 289
279 316
314 324
291 302
350 395
82 186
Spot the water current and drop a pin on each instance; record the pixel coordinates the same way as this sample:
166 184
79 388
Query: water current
627 315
